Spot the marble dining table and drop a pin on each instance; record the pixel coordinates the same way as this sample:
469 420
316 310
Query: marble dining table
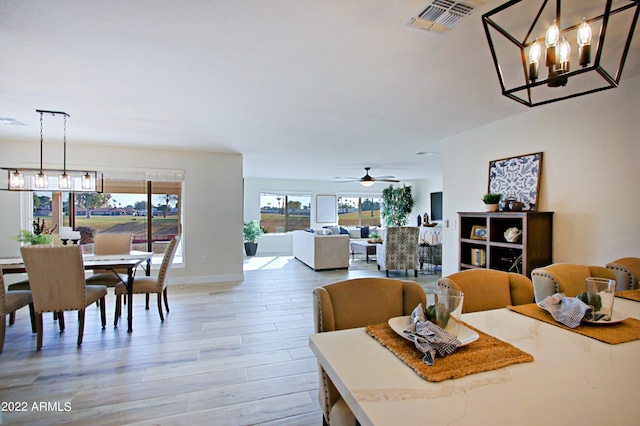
114 262
573 379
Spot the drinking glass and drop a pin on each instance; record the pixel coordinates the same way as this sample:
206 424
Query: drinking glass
448 304
600 295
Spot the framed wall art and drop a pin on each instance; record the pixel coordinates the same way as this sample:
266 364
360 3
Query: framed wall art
517 178
326 209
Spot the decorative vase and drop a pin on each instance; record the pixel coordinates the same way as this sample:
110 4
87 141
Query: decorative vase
491 207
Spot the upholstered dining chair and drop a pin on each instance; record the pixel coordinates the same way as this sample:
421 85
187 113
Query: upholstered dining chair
10 302
627 270
399 249
486 289
56 277
567 278
149 285
110 243
356 303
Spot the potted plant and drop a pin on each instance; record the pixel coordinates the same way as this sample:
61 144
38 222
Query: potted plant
251 232
491 200
397 204
41 234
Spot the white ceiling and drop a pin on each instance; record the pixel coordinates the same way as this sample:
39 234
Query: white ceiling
304 90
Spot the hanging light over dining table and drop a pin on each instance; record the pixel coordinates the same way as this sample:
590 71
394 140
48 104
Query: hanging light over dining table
54 180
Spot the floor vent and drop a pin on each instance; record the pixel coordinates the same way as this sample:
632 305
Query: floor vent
442 15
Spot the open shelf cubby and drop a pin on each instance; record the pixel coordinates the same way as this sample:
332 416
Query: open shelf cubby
482 243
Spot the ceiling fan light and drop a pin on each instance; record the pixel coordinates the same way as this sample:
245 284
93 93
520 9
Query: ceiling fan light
366 183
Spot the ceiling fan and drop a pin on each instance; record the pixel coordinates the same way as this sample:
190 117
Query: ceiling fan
368 180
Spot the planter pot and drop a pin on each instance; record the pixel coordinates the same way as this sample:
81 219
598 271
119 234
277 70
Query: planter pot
250 248
491 207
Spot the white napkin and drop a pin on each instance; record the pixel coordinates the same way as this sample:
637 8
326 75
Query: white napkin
566 310
429 338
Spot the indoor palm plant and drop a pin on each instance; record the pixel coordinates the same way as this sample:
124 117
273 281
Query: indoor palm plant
251 232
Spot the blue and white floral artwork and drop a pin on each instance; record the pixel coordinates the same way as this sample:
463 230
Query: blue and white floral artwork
517 178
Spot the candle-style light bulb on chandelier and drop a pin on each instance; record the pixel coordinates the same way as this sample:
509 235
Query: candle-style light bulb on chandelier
32 179
516 24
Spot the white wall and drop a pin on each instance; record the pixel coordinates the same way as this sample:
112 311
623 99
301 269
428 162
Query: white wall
283 243
421 191
590 173
212 199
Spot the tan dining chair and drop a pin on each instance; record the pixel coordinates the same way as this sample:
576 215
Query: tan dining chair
486 289
148 285
356 303
106 243
56 276
10 302
627 270
567 278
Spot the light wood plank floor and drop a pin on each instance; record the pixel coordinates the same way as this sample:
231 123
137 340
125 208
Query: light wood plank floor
227 354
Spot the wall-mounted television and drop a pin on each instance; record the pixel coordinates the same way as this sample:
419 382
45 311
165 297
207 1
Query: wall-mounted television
436 206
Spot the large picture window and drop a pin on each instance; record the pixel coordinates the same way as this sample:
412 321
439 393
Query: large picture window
150 210
284 212
359 211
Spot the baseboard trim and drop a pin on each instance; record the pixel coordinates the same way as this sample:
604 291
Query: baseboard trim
206 279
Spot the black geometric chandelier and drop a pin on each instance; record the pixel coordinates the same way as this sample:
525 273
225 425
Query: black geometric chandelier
54 180
532 48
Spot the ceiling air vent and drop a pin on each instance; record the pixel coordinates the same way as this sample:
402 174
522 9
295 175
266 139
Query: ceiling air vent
442 15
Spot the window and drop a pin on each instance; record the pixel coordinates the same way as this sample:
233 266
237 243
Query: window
359 211
122 207
285 212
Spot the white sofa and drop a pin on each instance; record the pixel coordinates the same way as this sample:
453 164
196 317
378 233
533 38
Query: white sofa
321 251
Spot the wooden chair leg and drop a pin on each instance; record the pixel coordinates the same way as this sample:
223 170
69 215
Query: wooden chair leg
12 317
118 310
39 331
61 321
146 306
32 315
80 325
103 312
3 328
166 301
159 305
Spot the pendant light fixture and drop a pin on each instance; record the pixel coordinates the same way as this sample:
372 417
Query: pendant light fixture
520 75
30 179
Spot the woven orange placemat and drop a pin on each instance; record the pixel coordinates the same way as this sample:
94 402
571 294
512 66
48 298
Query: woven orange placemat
612 334
486 353
629 294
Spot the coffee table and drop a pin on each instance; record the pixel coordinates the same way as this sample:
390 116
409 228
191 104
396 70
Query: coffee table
363 247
